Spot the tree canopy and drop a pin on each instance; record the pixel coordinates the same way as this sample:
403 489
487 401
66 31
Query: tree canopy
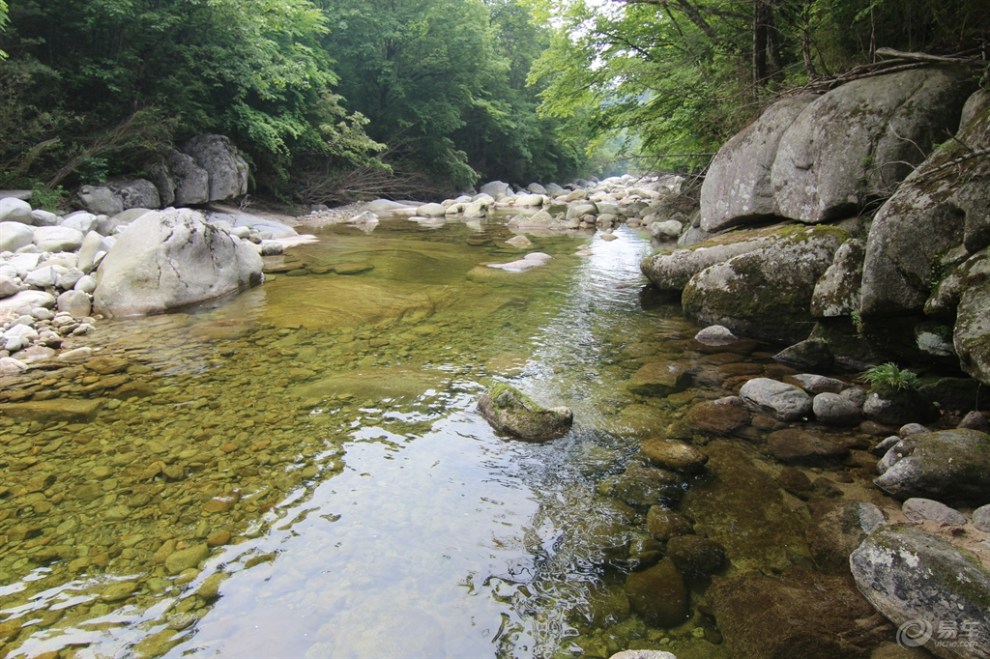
680 76
336 98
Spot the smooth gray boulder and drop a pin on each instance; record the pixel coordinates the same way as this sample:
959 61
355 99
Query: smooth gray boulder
226 167
76 303
190 183
497 189
926 585
784 401
765 293
170 259
13 209
737 187
57 239
919 509
859 141
835 410
99 199
952 466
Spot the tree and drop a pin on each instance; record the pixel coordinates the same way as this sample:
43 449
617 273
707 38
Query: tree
674 73
443 84
168 69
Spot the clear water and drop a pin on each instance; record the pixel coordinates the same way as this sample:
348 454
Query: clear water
313 445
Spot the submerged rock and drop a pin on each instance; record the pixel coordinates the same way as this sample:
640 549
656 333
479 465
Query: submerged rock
510 411
659 594
925 584
674 455
722 416
798 614
837 528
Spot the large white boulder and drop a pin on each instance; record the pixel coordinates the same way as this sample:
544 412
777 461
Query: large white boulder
14 235
170 259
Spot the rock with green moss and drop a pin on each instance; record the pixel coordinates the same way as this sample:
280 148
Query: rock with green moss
766 293
971 335
857 142
837 292
952 466
511 412
914 578
671 270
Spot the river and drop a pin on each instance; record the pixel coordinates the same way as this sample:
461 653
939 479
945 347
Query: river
299 471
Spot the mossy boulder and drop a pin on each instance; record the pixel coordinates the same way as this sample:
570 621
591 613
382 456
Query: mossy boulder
952 466
971 335
659 594
837 292
766 293
510 411
857 142
670 271
915 578
942 205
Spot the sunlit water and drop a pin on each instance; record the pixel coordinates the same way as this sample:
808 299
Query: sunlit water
299 471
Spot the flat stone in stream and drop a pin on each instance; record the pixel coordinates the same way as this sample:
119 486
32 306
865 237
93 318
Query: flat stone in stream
674 455
54 409
795 446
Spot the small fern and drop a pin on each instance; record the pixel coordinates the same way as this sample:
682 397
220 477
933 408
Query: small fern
888 378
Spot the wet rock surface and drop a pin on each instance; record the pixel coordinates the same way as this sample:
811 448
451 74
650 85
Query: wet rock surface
915 578
512 412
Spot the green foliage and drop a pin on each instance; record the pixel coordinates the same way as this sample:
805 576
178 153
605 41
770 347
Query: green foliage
443 84
681 77
49 199
253 69
888 379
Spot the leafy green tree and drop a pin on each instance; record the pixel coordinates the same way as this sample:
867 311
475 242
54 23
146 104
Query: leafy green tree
443 83
680 76
127 77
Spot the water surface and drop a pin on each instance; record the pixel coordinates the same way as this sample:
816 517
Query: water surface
299 470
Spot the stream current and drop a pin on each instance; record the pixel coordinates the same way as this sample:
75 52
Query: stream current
299 471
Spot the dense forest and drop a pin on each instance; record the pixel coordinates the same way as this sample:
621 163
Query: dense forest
336 99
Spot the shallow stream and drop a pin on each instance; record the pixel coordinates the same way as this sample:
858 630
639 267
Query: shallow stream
299 471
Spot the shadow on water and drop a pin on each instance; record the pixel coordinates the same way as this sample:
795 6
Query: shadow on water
300 471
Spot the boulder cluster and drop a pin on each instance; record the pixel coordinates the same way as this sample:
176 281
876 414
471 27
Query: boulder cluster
922 560
654 202
207 168
59 273
860 217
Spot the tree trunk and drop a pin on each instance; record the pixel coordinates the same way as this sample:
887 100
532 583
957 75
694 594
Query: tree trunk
760 41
